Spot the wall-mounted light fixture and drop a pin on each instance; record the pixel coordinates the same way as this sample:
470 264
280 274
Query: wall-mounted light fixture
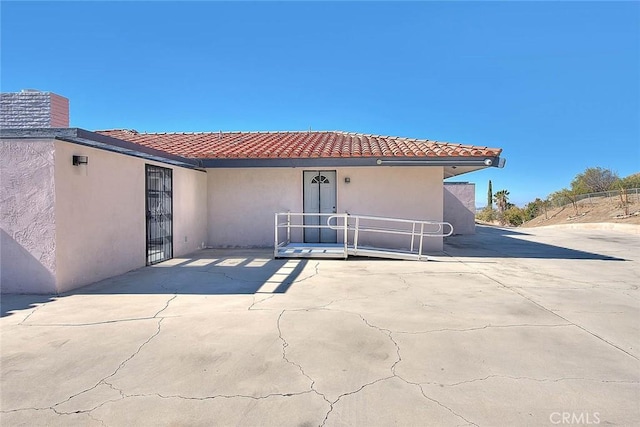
80 160
347 179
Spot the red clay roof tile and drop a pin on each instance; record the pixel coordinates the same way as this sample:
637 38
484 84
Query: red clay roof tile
295 145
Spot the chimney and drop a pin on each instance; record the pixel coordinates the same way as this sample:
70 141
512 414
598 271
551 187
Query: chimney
33 109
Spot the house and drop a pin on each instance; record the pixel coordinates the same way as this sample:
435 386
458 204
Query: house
80 206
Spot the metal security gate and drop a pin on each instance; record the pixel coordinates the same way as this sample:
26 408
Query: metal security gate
319 197
159 206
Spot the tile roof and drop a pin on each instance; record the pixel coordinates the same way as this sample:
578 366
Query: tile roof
295 145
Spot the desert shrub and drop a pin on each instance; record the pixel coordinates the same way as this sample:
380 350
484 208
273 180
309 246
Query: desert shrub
514 216
487 215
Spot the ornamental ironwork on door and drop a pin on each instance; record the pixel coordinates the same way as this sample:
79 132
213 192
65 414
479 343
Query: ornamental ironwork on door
159 207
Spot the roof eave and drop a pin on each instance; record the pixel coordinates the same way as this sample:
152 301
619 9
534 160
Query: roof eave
454 165
96 140
275 162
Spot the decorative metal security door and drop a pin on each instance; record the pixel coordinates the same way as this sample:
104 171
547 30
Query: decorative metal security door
159 206
319 197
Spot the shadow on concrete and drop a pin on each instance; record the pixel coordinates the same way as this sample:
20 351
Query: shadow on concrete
10 303
207 272
495 242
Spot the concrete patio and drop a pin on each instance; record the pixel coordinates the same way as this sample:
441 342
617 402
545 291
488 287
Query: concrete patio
508 327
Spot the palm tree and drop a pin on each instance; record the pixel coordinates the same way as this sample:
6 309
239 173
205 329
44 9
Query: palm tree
502 200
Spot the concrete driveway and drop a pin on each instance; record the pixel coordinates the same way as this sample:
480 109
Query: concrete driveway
534 327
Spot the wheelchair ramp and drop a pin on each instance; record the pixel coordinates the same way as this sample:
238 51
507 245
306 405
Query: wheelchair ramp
310 250
351 229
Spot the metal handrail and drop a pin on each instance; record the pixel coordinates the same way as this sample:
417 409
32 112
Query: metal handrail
289 225
352 223
421 234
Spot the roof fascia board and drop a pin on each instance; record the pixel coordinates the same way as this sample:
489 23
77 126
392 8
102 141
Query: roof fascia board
95 140
483 161
477 162
287 163
133 148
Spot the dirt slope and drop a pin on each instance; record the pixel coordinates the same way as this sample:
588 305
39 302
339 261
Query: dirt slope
602 209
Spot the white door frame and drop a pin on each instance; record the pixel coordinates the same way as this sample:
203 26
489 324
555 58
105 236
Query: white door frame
319 196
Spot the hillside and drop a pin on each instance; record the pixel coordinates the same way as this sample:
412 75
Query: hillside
593 210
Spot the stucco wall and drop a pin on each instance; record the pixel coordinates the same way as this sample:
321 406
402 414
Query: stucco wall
100 211
27 216
242 201
460 206
190 210
398 192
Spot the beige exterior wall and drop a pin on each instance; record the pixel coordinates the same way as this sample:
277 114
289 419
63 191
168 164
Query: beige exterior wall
100 214
399 192
27 216
243 201
460 206
189 210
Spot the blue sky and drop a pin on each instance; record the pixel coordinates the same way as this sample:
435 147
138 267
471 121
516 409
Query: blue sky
555 84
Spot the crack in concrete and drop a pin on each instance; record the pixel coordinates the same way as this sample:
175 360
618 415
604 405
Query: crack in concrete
104 322
442 405
31 314
254 303
223 396
315 273
366 322
166 305
326 417
102 380
393 371
285 344
390 333
392 368
114 388
317 266
551 380
96 419
8 411
539 305
55 411
122 364
479 328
